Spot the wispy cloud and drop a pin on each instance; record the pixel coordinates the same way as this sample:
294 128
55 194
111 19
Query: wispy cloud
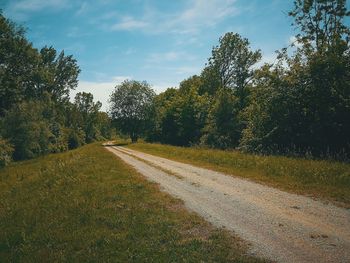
36 5
21 8
129 23
76 48
83 9
130 51
171 56
187 70
77 32
202 13
167 56
196 16
188 40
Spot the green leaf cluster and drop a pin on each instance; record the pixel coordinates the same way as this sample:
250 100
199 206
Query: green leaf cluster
36 116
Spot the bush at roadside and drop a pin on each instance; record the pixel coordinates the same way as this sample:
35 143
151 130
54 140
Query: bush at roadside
6 151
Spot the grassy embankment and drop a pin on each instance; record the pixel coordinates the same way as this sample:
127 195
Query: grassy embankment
322 179
87 206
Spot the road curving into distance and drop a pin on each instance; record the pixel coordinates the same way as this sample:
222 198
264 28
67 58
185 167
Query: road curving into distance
279 226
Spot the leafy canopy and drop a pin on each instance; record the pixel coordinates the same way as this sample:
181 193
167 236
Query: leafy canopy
130 106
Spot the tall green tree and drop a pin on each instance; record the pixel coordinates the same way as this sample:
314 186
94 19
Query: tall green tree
88 111
321 24
191 113
180 114
58 74
222 129
273 115
210 79
164 121
193 82
130 107
27 130
305 106
324 39
233 62
36 116
26 73
104 126
18 65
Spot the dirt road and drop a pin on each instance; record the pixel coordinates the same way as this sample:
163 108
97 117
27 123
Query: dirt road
279 226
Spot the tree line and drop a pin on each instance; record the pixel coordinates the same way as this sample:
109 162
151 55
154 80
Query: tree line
298 105
36 115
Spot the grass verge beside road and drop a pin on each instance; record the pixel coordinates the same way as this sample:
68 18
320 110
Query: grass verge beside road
88 206
329 181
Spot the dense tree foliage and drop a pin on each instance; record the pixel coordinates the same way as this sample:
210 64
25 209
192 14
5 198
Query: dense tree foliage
321 23
298 105
180 114
232 61
206 108
305 106
131 106
36 116
223 124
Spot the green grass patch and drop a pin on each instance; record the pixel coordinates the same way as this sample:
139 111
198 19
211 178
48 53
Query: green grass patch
327 180
86 205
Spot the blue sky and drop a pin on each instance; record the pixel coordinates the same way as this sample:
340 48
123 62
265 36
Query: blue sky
160 41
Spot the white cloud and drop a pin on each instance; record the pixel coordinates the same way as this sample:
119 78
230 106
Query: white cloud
100 90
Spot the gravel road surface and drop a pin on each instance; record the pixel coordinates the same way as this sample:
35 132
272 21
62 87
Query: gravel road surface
280 226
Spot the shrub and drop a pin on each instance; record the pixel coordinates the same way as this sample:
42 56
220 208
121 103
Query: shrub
76 138
6 151
27 129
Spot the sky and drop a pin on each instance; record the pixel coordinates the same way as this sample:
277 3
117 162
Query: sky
160 41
